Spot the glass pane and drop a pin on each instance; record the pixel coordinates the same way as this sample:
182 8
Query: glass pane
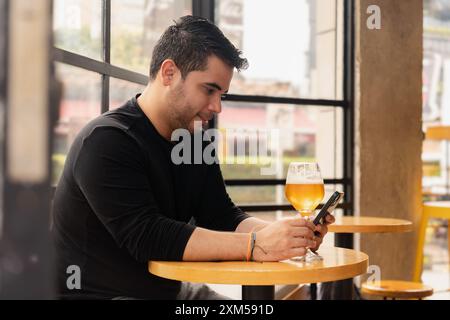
294 47
121 91
255 195
258 140
77 26
79 104
136 26
250 195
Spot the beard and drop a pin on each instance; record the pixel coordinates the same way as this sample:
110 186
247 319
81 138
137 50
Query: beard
180 112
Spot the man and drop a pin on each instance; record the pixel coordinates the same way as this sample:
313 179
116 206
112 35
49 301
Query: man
121 201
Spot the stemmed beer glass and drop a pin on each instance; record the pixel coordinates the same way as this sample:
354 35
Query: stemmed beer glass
304 190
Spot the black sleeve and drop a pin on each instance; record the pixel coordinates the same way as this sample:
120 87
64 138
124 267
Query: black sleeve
217 211
111 174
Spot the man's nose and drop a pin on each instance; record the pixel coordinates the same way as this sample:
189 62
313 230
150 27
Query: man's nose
216 105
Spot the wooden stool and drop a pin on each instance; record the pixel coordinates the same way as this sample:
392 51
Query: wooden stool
397 289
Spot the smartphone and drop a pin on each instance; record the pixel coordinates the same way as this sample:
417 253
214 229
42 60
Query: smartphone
328 207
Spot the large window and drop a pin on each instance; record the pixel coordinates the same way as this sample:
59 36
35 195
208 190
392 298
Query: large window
436 96
120 90
296 86
103 50
298 83
80 103
77 26
436 153
294 46
136 26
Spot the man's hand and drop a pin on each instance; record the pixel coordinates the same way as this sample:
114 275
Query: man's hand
284 239
323 230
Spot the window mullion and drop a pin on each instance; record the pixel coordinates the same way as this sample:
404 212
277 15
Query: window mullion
106 51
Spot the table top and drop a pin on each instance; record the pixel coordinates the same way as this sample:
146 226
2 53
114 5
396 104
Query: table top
369 225
337 264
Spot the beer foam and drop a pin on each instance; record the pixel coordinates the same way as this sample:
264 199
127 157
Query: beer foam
303 180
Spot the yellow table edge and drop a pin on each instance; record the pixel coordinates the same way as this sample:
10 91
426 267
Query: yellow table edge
388 288
211 273
395 226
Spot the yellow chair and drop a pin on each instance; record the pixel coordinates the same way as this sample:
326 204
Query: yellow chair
440 209
436 209
411 289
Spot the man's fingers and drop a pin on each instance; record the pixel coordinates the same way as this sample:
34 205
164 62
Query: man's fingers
330 219
303 242
301 222
322 229
303 232
296 222
318 240
310 225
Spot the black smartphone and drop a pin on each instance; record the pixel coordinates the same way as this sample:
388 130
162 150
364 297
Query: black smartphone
328 207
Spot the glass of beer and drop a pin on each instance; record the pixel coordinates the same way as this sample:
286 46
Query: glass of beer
305 190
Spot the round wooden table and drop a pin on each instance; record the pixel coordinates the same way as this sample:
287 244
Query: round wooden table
259 278
369 225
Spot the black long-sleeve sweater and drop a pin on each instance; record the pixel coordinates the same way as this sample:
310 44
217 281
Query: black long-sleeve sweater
121 202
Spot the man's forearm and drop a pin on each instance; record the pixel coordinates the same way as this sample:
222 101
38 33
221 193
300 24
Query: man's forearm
278 240
208 245
248 224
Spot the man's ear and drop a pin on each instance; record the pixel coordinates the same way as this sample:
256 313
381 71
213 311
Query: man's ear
168 72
